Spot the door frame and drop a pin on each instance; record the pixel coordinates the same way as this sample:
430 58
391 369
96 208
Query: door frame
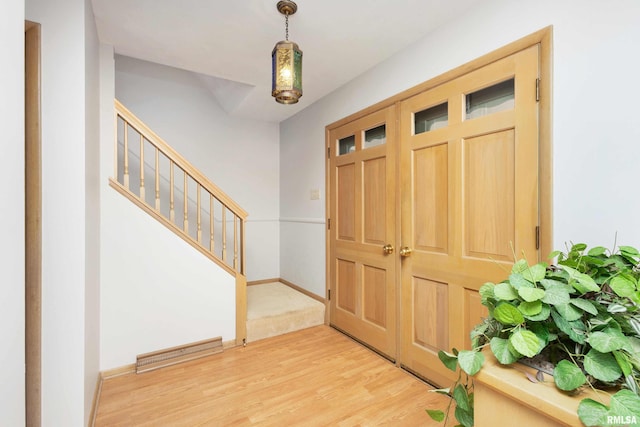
33 226
543 38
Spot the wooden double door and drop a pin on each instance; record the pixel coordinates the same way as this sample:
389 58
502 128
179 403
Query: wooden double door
428 199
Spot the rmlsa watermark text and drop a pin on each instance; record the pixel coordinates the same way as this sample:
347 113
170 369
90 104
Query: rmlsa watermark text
621 420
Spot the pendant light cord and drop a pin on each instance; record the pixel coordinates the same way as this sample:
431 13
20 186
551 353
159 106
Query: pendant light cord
286 26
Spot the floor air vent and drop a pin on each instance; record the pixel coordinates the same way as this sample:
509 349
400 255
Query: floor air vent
171 356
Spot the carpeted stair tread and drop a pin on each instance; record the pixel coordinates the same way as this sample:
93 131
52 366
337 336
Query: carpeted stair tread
276 309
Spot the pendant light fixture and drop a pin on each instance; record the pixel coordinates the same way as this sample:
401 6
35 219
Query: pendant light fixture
286 62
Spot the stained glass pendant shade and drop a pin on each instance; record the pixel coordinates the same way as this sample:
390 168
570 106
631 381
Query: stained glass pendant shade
286 63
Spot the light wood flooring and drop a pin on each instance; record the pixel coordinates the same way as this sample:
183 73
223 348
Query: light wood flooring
312 377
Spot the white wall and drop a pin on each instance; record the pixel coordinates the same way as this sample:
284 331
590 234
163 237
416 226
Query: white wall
92 210
12 405
595 130
64 225
156 290
240 156
302 220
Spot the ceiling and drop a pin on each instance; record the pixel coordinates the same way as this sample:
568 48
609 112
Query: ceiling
228 43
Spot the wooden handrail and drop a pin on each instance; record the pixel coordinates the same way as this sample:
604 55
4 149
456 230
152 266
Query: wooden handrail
216 196
178 160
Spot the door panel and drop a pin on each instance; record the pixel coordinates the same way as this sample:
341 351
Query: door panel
469 202
374 282
430 165
346 285
488 200
363 203
346 201
374 196
431 319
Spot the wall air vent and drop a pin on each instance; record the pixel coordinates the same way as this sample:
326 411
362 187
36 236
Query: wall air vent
171 356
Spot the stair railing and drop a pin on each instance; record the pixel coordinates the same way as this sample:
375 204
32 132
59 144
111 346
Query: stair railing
180 196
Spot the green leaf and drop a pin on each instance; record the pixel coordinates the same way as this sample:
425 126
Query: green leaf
591 261
486 291
448 360
530 308
635 324
519 266
554 254
620 261
436 415
470 361
623 362
583 283
568 376
585 305
514 351
556 295
597 251
616 308
500 349
553 283
525 342
578 247
505 292
625 403
541 331
602 366
608 340
461 397
629 251
535 273
635 345
518 281
464 417
630 382
507 314
592 413
572 329
478 331
543 315
531 294
569 312
623 286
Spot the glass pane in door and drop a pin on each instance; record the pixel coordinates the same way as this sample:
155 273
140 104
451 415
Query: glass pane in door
375 136
346 145
493 99
430 119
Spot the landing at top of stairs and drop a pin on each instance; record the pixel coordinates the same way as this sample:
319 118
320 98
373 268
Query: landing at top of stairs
275 309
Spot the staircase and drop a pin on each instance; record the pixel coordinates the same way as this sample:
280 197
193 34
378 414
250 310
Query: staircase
161 182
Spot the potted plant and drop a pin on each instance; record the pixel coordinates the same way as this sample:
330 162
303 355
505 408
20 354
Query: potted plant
582 315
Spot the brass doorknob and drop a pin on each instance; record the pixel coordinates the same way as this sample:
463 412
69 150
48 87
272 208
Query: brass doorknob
388 249
405 251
